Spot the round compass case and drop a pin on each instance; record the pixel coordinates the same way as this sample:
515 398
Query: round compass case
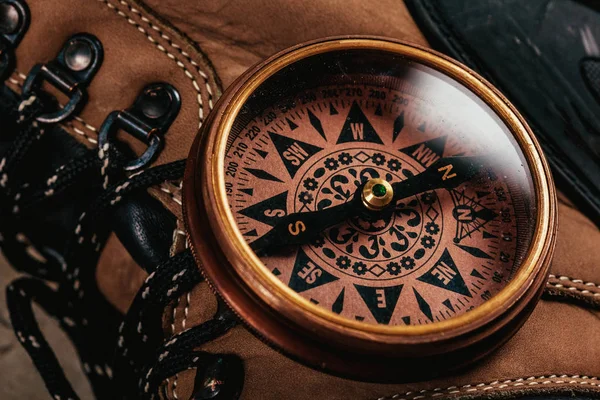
371 208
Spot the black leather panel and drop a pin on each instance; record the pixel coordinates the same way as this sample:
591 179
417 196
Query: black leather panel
145 228
540 54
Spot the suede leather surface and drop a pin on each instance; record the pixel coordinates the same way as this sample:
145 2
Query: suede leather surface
557 350
238 34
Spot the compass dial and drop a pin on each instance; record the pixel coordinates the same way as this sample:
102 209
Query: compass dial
371 196
425 258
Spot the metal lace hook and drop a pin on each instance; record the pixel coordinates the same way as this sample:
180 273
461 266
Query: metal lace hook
70 72
148 119
14 22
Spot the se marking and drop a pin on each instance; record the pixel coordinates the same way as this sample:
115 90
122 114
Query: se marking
310 272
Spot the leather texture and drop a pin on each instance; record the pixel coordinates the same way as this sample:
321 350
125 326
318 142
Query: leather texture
236 35
544 56
146 229
557 350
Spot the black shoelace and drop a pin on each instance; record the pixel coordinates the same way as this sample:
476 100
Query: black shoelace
123 357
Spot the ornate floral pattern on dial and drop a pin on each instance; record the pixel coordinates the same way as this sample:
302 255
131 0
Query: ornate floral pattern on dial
425 258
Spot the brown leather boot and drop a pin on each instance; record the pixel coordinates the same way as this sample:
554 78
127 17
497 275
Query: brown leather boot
101 105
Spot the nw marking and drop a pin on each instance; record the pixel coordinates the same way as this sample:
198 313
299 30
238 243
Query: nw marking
425 156
428 152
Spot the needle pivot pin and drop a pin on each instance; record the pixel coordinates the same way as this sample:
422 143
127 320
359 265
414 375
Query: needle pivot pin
377 194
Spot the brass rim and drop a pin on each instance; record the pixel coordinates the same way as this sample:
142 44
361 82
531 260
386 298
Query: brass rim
277 295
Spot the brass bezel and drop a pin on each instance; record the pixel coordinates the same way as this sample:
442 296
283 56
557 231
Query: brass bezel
279 297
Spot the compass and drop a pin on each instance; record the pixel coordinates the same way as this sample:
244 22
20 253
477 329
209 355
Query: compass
371 208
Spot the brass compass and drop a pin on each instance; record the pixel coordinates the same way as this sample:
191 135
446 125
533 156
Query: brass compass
371 208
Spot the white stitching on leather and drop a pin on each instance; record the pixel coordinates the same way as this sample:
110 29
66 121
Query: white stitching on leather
530 381
82 133
174 387
186 310
575 281
572 289
185 315
170 55
14 81
164 188
88 126
566 283
194 84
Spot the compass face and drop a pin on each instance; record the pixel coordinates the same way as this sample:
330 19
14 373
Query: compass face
311 137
